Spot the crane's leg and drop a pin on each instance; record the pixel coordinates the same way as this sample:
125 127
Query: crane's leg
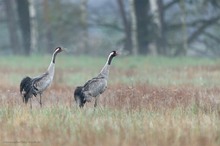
30 103
40 101
96 101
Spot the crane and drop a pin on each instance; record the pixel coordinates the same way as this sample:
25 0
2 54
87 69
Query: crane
96 86
30 87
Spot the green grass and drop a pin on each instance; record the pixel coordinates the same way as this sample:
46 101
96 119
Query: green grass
77 69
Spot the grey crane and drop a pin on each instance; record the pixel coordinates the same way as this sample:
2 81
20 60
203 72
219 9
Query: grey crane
95 86
37 85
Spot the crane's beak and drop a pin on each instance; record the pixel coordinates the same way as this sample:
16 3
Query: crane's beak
118 53
65 49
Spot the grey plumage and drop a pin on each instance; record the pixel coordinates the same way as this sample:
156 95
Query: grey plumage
95 86
30 87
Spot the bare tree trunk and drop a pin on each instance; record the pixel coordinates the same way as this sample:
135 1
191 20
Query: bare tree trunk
142 21
49 39
156 21
84 22
127 27
12 26
33 23
159 42
133 28
182 50
162 42
24 19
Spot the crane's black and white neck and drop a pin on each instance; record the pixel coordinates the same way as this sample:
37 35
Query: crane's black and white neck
105 70
52 63
56 51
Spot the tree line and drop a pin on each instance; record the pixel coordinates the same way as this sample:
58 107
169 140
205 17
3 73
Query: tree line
146 27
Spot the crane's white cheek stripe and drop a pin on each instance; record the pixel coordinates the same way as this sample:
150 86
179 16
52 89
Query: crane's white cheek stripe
111 54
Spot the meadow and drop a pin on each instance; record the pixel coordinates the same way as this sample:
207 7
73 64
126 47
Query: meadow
154 101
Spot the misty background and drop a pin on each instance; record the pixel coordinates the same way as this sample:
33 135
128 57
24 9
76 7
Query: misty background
94 27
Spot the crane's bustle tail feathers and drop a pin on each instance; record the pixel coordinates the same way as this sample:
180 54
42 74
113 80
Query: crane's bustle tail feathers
78 96
26 89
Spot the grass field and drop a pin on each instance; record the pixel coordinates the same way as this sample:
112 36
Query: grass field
149 101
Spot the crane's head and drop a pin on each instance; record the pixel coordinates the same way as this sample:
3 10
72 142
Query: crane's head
113 53
58 49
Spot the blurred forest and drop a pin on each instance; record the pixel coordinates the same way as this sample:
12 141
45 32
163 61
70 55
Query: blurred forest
146 27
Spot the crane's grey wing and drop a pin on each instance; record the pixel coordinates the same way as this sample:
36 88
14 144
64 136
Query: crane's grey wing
90 84
95 86
41 82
